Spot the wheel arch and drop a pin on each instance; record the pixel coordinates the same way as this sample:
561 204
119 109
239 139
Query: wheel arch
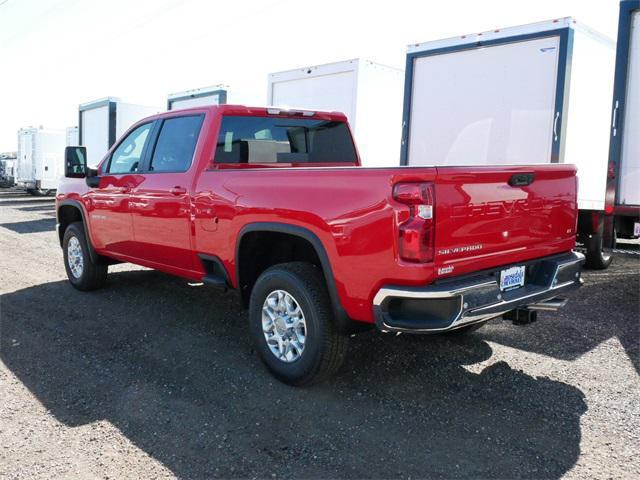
343 322
68 212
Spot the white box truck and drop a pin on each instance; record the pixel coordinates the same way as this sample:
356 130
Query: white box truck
71 135
214 95
538 93
623 183
7 169
369 94
40 159
102 122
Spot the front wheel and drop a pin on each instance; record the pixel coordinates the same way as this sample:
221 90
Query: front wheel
291 324
83 273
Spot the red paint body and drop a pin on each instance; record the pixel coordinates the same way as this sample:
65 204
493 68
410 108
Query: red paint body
480 220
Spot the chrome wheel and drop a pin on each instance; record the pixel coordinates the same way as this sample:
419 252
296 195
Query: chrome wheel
284 326
74 257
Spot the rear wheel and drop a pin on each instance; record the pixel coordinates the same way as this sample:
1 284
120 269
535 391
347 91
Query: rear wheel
291 324
83 273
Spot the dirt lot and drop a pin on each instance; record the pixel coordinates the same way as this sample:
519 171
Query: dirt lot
151 377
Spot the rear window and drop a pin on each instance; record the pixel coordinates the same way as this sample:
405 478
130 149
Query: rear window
244 139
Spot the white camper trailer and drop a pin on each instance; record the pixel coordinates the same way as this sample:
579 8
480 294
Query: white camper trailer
369 94
215 95
538 93
102 122
40 159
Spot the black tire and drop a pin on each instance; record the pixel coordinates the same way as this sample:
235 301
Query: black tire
324 348
597 257
93 275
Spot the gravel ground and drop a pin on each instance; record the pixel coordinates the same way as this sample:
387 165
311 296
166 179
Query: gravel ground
151 377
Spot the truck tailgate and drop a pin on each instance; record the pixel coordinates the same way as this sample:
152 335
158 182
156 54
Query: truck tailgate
492 216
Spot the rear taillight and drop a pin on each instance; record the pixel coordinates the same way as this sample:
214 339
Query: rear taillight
417 232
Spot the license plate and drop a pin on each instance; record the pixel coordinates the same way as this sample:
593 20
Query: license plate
512 278
636 229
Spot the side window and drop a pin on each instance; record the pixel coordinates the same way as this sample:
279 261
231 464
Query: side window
126 157
176 144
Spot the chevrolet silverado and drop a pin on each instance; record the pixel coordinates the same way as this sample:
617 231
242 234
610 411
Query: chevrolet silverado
273 204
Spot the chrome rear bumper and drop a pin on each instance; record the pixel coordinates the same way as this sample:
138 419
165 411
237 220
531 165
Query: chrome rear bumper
454 303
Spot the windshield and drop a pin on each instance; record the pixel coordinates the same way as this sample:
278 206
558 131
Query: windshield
245 139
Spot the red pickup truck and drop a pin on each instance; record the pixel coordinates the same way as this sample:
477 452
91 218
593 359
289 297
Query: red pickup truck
274 205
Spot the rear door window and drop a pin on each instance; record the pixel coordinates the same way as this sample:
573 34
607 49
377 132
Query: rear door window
263 140
176 144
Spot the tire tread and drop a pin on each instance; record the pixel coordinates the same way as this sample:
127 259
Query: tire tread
94 274
334 345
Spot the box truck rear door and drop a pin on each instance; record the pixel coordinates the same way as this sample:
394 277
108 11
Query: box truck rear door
630 162
493 104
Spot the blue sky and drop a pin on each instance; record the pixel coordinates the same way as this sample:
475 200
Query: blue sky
56 54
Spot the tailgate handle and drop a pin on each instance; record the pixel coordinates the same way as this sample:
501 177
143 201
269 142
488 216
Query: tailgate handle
521 179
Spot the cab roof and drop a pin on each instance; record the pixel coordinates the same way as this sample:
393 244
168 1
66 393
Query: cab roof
242 110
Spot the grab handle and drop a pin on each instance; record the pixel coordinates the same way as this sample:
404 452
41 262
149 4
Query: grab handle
555 126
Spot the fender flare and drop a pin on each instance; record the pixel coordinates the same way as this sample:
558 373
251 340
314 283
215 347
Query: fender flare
343 322
76 204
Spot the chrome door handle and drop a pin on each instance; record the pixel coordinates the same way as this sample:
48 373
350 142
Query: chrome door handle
178 190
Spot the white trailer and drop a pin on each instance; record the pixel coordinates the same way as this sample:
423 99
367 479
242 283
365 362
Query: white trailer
40 159
103 121
532 94
72 138
214 95
369 94
623 183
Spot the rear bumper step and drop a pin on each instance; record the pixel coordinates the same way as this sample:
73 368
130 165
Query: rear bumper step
456 303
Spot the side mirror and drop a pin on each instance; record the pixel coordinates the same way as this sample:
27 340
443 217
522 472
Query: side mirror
93 180
75 162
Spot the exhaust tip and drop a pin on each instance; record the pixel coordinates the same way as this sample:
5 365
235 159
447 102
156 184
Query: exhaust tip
552 305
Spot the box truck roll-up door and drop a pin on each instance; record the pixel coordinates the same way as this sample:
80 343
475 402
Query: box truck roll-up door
630 161
490 105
